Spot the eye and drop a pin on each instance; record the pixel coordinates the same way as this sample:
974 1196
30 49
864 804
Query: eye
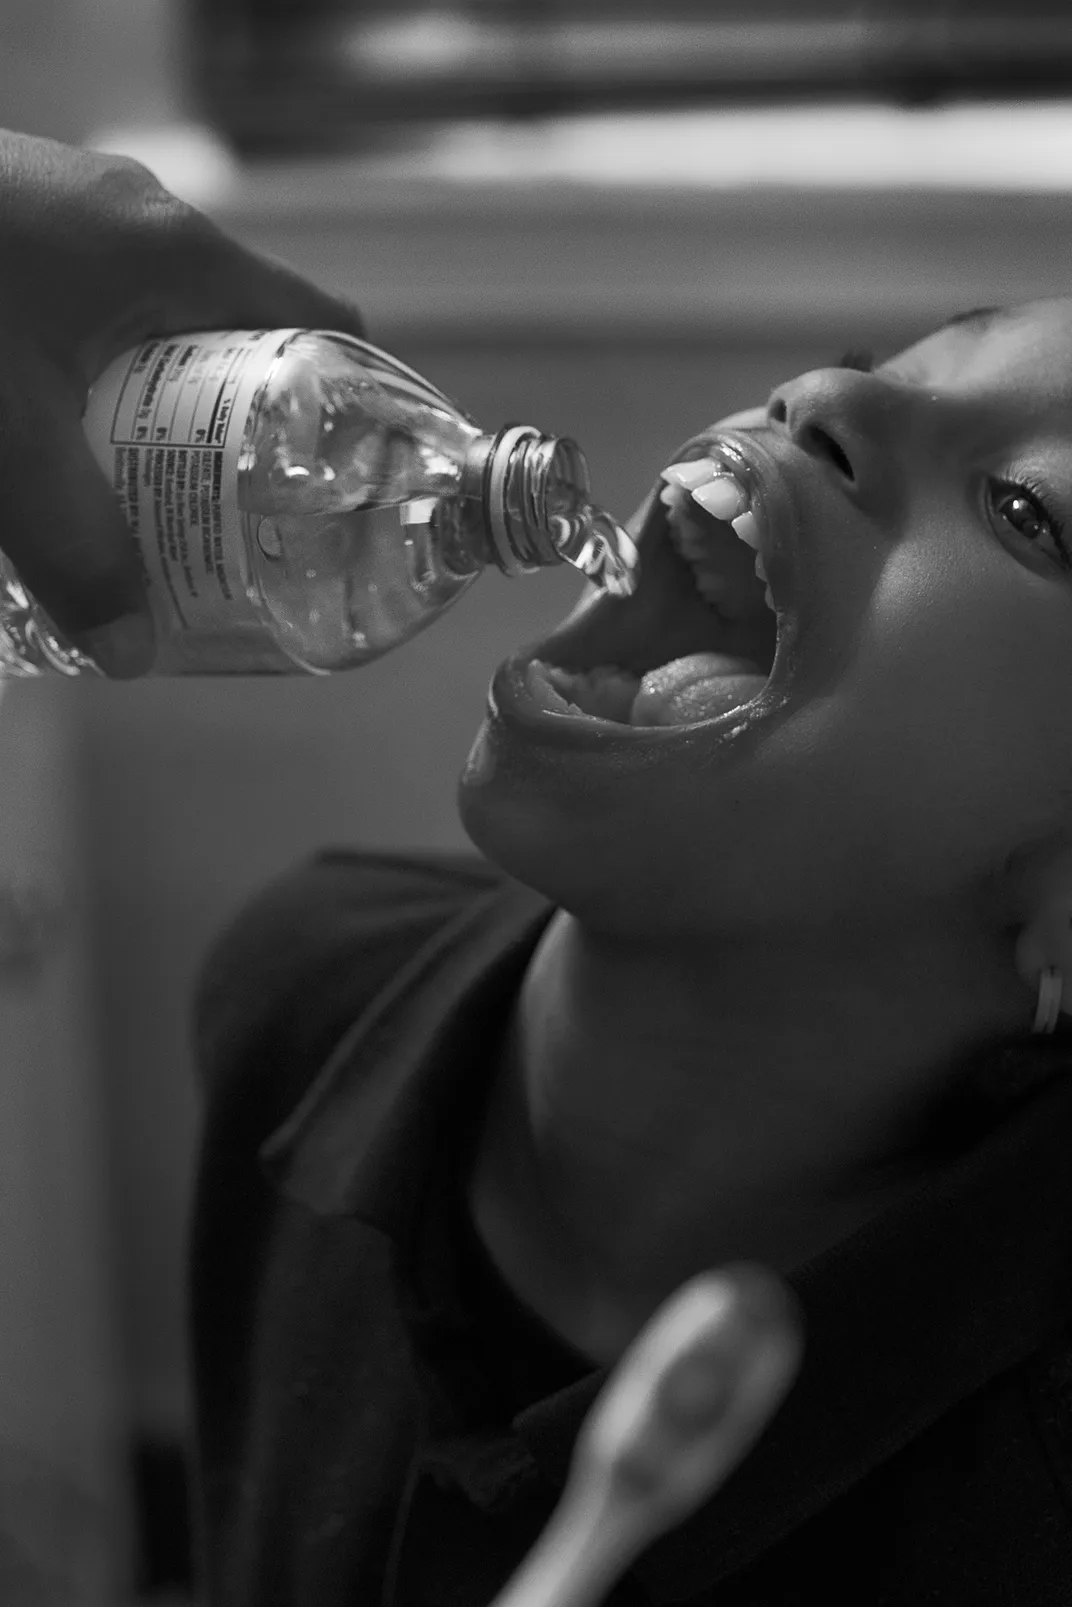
1021 508
864 361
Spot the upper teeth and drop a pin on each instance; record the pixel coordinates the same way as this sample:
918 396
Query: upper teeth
745 526
722 495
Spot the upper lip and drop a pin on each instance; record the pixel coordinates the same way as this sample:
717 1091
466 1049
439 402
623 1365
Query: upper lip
762 477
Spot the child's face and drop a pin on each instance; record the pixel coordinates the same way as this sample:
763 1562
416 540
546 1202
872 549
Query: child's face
917 724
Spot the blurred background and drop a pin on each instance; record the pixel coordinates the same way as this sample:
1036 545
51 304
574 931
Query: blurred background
614 220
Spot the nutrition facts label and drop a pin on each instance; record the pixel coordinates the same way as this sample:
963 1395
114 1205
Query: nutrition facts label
166 424
182 392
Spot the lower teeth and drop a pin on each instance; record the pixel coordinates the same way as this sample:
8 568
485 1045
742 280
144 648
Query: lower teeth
697 687
606 692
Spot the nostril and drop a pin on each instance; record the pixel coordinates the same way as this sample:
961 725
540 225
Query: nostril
777 412
820 444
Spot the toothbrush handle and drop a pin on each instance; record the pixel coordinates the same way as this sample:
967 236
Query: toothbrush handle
679 1412
571 1564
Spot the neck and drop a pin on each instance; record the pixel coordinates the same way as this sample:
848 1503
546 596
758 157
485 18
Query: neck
662 1113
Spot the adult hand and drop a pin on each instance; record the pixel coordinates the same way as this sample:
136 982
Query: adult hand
95 255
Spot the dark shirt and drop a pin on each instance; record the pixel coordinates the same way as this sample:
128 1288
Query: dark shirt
382 1423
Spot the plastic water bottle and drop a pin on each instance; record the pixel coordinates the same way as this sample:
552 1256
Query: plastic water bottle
303 502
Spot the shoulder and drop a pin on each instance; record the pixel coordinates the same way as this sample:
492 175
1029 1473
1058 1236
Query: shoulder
298 963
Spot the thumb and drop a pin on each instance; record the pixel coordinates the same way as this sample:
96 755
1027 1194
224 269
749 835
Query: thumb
206 279
61 525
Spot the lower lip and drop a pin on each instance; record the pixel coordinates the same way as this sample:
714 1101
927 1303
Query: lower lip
512 701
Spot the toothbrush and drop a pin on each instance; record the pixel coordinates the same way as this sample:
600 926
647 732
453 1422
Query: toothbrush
679 1412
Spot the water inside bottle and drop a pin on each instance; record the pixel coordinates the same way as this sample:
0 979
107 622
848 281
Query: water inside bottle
345 584
344 587
329 458
333 459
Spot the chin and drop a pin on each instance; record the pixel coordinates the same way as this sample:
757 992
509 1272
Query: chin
517 831
579 852
513 822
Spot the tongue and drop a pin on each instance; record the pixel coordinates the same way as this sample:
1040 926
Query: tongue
696 688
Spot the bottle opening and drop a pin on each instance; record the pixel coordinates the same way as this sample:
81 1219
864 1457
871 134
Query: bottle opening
540 511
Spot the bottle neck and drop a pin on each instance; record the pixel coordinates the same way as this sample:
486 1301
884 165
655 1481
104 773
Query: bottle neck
532 489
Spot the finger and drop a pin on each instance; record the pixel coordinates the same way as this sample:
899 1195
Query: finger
99 255
62 526
221 279
253 283
193 276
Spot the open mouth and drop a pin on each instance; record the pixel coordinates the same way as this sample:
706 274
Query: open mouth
699 638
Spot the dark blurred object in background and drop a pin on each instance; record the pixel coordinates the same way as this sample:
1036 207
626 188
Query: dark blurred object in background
319 75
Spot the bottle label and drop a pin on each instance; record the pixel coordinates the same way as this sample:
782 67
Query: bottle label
166 423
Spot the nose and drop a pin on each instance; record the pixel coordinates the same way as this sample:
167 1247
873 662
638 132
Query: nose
852 423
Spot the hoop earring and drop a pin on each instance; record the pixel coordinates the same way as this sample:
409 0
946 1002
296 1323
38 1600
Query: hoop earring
1051 985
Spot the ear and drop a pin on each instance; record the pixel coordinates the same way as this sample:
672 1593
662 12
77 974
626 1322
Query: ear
1039 884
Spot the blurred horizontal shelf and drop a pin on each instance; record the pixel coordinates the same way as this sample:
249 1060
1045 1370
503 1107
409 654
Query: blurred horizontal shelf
712 225
322 84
